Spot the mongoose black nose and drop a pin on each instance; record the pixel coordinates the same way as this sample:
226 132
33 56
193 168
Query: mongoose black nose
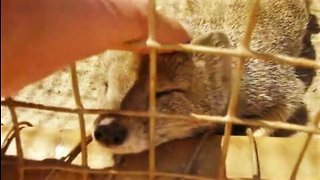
111 134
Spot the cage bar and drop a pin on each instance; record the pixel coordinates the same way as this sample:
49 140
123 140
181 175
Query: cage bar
76 94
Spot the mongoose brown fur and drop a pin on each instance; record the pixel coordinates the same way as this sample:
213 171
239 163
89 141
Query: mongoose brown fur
200 83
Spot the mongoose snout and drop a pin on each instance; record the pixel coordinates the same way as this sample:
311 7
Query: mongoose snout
113 134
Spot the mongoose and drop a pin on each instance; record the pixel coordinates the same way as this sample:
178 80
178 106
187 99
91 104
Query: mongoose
200 83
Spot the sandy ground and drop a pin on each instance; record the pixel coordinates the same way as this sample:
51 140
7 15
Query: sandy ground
56 90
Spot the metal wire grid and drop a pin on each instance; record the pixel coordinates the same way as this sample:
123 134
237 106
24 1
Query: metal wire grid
243 52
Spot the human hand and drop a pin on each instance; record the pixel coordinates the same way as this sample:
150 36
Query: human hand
39 37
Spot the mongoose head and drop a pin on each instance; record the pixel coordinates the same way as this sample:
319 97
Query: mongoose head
196 83
183 80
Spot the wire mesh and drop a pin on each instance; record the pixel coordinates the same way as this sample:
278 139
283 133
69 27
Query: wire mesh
243 53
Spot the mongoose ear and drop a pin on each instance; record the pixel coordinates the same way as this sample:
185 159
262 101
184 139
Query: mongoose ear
173 70
219 66
212 39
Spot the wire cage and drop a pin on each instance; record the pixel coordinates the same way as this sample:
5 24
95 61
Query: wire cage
21 168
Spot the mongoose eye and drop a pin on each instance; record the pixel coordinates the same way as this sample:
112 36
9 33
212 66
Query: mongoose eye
165 92
160 94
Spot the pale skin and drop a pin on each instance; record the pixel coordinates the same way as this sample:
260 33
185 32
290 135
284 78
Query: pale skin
39 37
